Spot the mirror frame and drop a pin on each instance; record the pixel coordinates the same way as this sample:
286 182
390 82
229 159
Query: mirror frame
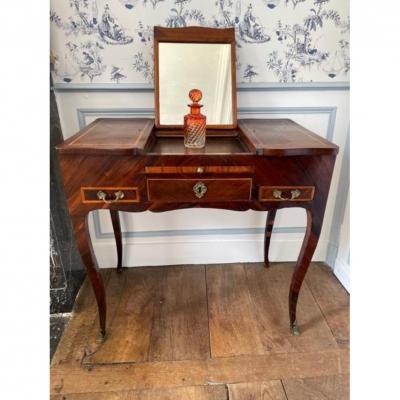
194 34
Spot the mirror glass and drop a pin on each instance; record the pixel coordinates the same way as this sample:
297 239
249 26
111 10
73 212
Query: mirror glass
186 66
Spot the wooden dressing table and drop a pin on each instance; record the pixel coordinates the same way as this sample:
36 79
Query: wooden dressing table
141 164
130 165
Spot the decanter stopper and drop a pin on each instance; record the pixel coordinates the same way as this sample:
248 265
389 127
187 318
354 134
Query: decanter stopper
194 123
195 95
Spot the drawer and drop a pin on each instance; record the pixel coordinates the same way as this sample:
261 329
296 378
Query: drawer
199 190
286 193
110 195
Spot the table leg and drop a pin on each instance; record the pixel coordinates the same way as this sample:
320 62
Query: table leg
82 237
267 237
314 224
116 223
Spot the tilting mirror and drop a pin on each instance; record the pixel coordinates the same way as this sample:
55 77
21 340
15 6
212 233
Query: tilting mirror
195 58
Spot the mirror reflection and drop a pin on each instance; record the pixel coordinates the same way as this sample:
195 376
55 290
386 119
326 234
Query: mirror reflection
185 66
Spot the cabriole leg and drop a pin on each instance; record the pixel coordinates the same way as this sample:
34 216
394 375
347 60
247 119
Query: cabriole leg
116 224
267 237
82 237
307 250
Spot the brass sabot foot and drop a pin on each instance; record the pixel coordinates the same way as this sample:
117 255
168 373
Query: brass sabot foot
295 329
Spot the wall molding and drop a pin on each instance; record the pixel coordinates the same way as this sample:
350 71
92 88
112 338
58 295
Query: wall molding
330 110
341 269
182 252
241 87
340 203
189 232
112 112
149 113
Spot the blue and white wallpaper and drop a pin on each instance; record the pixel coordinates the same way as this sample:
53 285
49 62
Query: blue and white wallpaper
111 41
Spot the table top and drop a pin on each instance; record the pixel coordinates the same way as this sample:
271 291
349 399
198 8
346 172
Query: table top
277 137
136 136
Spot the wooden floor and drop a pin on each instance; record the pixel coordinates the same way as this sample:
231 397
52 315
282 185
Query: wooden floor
215 332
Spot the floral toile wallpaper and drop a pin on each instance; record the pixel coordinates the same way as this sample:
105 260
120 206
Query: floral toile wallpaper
110 41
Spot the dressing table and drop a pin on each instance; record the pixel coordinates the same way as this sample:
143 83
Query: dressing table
133 165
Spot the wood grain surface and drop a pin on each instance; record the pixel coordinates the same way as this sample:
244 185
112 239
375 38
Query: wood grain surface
116 224
223 145
336 387
222 189
269 226
271 390
135 376
195 34
163 349
278 137
333 300
247 306
114 153
135 136
215 392
116 136
155 314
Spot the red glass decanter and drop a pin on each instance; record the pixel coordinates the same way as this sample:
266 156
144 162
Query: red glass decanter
194 124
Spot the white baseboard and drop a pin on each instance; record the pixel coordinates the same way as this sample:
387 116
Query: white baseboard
204 250
342 272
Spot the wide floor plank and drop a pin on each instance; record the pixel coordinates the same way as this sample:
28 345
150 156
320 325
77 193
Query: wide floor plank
154 314
333 300
233 324
272 390
249 312
129 317
72 346
214 371
216 392
336 387
180 324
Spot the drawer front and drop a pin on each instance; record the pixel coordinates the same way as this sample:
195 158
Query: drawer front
109 195
199 190
286 193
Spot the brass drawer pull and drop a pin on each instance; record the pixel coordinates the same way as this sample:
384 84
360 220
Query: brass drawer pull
103 196
199 189
278 194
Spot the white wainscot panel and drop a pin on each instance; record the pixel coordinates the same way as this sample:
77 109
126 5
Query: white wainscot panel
198 219
72 105
194 246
